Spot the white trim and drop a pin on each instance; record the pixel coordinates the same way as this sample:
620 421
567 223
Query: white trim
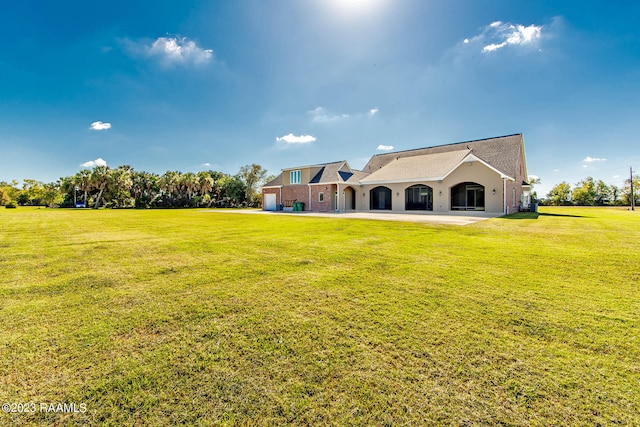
401 181
505 209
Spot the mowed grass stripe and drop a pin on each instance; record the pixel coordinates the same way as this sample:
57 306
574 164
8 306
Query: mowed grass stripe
168 317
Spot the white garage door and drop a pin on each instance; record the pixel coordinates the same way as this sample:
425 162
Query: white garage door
269 202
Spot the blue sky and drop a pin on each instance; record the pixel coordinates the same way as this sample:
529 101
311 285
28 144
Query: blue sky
198 85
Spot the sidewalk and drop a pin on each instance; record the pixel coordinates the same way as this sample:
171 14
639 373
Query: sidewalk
464 218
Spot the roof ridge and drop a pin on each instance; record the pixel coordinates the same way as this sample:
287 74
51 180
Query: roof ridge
447 145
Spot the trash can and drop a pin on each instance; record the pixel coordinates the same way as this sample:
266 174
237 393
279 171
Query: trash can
533 207
296 206
300 206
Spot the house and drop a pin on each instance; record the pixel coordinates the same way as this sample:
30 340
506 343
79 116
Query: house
486 175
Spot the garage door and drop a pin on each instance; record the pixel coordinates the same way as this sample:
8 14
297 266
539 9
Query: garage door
269 202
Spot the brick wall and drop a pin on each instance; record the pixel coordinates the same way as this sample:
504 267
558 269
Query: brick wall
275 191
298 193
329 195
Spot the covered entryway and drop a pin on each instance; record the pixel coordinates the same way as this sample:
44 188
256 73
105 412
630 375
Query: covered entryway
349 202
418 197
380 198
269 202
467 196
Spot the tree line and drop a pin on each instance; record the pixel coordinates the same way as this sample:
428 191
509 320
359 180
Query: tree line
124 187
591 192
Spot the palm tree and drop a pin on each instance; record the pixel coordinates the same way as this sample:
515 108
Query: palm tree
82 180
100 180
120 184
205 182
169 182
189 183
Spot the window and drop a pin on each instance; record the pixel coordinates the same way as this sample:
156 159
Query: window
467 196
294 177
380 198
321 197
418 197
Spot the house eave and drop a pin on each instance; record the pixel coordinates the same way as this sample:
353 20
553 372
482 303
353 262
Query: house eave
401 181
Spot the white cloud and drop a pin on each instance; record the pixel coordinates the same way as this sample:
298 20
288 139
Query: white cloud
171 51
100 126
373 112
206 164
589 159
498 35
385 147
93 163
320 115
293 139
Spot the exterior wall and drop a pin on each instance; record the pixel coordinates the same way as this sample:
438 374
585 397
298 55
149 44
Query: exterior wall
467 172
306 174
298 193
328 205
517 185
272 190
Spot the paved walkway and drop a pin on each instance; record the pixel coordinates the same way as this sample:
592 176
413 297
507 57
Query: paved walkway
452 219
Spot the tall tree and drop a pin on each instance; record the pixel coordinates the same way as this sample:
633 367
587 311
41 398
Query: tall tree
205 182
626 194
560 194
82 180
189 184
169 184
99 181
252 176
120 183
584 194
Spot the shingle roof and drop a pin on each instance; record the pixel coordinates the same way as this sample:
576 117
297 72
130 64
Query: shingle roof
502 153
276 182
426 166
329 173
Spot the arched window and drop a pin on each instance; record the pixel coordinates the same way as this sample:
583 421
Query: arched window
380 198
467 196
418 198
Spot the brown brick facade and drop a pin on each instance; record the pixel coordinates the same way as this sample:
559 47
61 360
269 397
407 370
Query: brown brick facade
275 191
296 193
328 204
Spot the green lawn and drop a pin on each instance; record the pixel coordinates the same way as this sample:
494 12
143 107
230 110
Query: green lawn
169 317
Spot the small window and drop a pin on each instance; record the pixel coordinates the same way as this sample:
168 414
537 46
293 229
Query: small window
294 177
321 197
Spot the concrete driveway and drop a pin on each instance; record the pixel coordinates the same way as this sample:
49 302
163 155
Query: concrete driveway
464 218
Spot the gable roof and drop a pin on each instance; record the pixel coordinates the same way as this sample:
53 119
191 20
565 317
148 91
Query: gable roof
332 172
429 167
275 182
329 173
501 153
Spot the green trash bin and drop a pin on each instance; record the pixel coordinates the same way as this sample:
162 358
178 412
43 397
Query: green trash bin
296 206
300 206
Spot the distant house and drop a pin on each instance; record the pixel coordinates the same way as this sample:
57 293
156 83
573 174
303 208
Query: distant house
486 175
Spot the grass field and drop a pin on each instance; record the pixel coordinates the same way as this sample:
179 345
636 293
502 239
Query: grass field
189 317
